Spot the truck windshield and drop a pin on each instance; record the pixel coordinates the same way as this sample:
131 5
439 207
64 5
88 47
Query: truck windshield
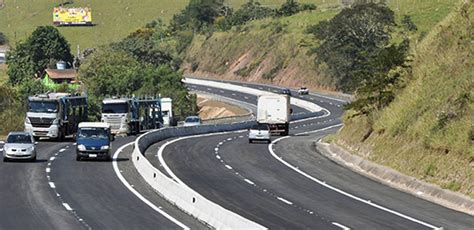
95 133
43 106
115 108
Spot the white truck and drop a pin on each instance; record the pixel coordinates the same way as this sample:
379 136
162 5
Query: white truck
131 115
55 115
274 110
167 111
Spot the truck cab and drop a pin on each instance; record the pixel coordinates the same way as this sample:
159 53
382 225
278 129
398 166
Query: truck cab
94 141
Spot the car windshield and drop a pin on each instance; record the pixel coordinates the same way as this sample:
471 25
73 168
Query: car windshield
115 108
192 120
95 133
260 127
43 106
19 139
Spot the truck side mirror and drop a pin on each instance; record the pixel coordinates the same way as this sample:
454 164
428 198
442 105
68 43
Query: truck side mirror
112 138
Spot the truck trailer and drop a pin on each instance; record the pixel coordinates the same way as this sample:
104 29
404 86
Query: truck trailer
130 115
274 110
55 115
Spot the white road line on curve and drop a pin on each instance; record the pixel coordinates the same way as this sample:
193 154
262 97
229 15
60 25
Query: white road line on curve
62 150
284 200
48 170
67 206
137 194
249 181
228 166
270 149
52 158
341 226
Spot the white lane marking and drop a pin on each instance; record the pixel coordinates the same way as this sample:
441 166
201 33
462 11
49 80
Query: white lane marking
1 149
222 91
62 150
341 226
52 185
209 89
52 158
151 205
228 166
246 97
285 200
162 148
48 170
218 157
249 181
234 94
323 183
67 206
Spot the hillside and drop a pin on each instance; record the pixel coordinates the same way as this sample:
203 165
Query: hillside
275 50
428 131
114 19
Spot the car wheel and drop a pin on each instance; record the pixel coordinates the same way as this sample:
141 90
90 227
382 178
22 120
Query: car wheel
250 140
269 141
33 159
5 159
78 158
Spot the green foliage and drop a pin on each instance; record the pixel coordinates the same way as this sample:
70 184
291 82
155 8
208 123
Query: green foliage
31 57
251 10
351 39
430 170
408 23
199 15
3 39
11 107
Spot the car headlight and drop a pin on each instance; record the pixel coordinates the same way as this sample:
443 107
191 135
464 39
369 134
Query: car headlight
105 147
31 149
27 121
81 147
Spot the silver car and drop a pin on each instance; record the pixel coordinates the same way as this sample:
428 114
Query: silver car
19 146
192 121
259 132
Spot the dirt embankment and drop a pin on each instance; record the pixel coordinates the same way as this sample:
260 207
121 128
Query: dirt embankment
209 109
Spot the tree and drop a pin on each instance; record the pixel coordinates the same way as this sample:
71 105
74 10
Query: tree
350 40
198 15
289 8
31 57
251 10
408 23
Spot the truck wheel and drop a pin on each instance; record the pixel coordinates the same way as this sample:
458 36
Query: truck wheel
36 138
250 140
78 158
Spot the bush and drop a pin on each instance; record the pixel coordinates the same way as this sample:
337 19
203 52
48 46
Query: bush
3 39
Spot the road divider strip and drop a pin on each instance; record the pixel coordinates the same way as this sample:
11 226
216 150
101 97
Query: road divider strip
137 194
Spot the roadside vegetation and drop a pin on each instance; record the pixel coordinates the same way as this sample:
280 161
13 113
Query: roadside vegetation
427 130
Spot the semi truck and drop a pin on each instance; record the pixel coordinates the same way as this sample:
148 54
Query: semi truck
55 115
130 115
274 110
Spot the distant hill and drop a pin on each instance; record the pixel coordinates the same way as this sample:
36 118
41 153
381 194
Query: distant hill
114 19
428 131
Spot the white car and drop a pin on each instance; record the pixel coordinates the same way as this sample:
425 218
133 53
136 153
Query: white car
19 146
303 90
259 132
192 121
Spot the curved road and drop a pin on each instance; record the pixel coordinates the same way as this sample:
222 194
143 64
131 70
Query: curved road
56 192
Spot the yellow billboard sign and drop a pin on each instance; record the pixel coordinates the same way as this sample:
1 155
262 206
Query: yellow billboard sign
72 16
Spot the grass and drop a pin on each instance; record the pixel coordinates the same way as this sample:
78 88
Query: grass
3 74
114 19
427 131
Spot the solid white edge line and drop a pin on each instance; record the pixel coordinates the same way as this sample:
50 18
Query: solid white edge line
67 206
341 226
151 205
270 149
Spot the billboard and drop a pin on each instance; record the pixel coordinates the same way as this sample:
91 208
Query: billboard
72 16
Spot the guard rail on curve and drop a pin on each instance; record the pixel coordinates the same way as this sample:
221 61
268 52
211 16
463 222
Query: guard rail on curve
181 195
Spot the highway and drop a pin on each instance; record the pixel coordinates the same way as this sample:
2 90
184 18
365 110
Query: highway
56 192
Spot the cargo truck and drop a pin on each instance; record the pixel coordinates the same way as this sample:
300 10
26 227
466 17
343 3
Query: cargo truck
130 115
55 115
274 110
